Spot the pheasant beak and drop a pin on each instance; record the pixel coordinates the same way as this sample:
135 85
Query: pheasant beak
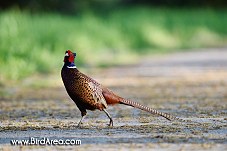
66 54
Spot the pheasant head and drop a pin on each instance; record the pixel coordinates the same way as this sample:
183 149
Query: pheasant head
69 59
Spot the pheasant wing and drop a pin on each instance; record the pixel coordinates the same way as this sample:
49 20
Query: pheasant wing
97 94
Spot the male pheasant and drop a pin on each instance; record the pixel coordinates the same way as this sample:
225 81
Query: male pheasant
88 94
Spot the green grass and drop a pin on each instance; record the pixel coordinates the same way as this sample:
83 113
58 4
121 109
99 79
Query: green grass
35 43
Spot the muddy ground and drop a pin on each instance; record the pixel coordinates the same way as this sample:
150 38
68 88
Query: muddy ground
190 85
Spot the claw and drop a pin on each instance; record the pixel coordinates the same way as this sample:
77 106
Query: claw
111 120
80 121
111 123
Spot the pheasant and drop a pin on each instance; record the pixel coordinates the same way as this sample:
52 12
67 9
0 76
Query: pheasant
88 94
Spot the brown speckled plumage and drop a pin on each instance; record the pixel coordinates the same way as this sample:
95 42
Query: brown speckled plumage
83 89
88 94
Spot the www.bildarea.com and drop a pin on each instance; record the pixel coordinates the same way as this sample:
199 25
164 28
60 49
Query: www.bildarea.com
44 141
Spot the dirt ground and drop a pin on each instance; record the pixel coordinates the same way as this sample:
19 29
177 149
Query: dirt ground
189 85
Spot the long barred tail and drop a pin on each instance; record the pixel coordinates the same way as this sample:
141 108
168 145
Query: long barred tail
150 110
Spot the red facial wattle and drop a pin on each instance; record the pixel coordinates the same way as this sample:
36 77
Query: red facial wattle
71 58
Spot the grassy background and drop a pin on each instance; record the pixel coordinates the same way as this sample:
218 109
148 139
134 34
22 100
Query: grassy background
35 43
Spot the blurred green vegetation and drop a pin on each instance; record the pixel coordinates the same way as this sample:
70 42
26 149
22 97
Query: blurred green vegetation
33 43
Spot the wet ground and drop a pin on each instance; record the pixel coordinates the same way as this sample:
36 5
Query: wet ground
192 86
